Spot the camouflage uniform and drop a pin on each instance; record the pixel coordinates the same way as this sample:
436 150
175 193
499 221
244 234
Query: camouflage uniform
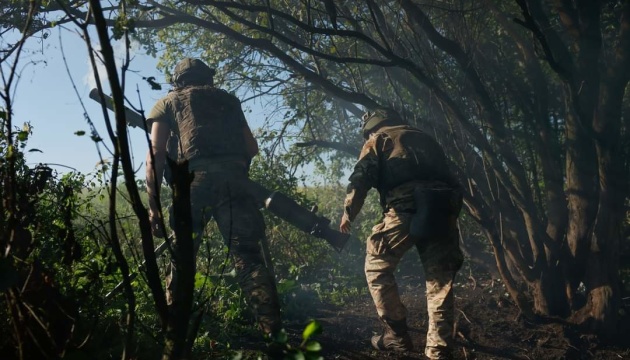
216 153
398 160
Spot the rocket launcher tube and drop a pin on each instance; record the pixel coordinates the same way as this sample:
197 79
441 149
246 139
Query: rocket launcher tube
288 210
305 220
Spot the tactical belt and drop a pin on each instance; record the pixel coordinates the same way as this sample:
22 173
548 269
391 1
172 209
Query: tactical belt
219 163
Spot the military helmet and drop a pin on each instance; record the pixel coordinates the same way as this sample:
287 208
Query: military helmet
192 72
372 120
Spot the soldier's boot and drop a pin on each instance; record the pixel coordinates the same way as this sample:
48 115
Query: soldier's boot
269 320
394 337
270 323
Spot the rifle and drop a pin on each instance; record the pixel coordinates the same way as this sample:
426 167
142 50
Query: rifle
277 203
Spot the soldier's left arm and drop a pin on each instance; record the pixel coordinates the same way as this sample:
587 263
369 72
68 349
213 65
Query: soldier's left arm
363 178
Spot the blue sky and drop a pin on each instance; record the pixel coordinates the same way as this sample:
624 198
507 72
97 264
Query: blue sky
45 97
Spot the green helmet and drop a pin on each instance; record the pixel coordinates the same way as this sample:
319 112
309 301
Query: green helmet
373 120
192 72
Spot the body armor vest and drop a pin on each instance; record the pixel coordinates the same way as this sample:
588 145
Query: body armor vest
209 124
409 154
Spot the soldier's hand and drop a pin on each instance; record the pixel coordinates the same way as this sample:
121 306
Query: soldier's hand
156 225
345 224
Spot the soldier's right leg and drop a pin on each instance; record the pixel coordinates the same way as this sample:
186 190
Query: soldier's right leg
243 227
441 259
385 247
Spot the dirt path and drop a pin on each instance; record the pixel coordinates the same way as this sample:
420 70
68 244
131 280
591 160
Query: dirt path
488 327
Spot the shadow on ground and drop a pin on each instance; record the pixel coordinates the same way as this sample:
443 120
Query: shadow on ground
488 326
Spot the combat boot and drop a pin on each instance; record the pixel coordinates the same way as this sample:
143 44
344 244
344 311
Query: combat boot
270 326
395 336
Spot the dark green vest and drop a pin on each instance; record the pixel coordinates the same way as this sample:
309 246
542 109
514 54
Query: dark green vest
209 124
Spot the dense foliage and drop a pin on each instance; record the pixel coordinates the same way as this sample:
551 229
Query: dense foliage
71 249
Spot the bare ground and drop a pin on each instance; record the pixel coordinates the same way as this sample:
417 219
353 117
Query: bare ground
488 326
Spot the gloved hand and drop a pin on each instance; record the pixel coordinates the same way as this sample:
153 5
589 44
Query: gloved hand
156 225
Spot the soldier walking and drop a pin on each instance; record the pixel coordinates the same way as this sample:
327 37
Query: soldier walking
421 200
211 133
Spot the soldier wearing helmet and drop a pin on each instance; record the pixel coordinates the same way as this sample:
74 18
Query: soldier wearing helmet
206 126
421 200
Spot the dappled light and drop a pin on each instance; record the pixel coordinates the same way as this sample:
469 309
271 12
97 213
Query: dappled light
304 179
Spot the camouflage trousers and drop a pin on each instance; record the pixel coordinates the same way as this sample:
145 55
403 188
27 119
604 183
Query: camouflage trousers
441 259
221 195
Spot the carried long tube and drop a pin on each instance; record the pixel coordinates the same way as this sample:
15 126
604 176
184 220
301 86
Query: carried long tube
133 118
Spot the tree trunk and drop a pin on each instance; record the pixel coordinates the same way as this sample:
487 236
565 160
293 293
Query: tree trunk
177 345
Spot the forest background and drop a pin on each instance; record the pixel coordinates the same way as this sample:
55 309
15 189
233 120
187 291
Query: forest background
528 99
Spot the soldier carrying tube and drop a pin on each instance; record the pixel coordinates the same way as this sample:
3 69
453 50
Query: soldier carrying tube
276 202
205 126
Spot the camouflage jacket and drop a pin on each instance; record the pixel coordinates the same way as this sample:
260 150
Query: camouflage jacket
395 160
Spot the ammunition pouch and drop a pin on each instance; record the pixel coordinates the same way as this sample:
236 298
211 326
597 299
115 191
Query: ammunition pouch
434 210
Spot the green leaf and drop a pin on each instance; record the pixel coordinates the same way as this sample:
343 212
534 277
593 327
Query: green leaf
313 328
35 150
313 346
201 281
79 133
298 355
285 286
22 136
